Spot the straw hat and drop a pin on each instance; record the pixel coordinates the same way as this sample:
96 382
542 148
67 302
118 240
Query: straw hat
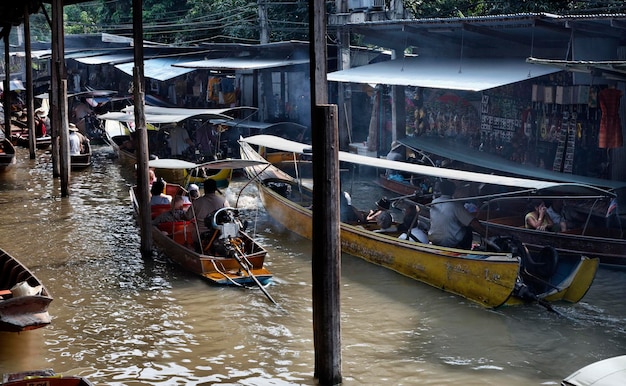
40 111
72 127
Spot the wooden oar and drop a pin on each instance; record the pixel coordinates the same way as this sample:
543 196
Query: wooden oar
245 266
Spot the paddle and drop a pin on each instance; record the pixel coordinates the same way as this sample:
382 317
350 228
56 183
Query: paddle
246 267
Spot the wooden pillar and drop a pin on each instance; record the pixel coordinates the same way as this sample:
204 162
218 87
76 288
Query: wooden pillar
6 31
398 113
326 242
58 101
30 106
143 194
326 247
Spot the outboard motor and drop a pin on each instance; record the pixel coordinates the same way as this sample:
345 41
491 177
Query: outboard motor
544 264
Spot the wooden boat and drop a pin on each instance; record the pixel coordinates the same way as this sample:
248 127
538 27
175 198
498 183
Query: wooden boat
82 160
491 279
24 299
229 255
43 378
592 234
162 116
607 372
7 154
41 143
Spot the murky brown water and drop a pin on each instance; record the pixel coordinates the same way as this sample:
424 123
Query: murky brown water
120 319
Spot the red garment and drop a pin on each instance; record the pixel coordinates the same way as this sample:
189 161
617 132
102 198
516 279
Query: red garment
610 135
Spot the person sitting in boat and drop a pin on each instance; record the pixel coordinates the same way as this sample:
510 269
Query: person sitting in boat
410 225
40 122
193 192
202 207
177 213
348 213
75 142
157 192
382 216
178 140
451 225
538 218
131 143
557 214
394 155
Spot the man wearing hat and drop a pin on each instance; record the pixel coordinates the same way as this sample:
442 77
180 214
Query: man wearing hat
75 142
381 215
204 206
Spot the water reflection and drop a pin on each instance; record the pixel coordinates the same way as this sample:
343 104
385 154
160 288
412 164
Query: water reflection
124 320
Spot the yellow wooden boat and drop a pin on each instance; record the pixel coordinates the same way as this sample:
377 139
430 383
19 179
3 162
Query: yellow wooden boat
491 279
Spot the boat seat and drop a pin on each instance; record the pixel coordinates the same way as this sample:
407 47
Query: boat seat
179 231
156 210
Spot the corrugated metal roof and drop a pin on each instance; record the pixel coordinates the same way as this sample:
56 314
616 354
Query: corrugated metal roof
160 68
235 63
445 73
106 59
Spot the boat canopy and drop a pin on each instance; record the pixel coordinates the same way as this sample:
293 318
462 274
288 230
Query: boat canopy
171 163
157 118
157 110
462 153
282 144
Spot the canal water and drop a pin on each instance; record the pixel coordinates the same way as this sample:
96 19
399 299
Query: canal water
120 319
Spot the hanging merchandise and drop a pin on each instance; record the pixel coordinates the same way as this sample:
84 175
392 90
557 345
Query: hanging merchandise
610 135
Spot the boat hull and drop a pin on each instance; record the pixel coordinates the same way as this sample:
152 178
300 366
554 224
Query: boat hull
487 278
484 278
21 311
595 242
7 156
81 161
175 240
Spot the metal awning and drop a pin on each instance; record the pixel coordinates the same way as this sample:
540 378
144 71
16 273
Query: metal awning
446 73
247 63
160 68
14 85
610 69
107 59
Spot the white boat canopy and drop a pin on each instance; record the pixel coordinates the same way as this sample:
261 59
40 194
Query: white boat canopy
240 63
607 372
282 144
171 163
157 118
470 74
157 110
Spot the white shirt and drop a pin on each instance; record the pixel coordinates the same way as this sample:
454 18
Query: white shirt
178 140
74 143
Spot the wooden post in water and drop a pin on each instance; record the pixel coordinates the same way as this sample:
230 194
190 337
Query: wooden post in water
64 140
326 247
6 100
326 242
56 69
141 132
30 106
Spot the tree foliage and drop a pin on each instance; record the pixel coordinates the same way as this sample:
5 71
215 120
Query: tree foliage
463 8
192 21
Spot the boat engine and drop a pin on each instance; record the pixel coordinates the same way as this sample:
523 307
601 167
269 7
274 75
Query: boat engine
226 227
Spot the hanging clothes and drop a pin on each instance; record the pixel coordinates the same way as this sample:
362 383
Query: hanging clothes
610 135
